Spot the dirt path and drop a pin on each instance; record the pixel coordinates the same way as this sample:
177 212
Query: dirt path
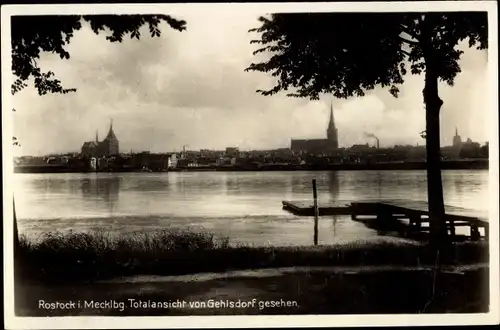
270 272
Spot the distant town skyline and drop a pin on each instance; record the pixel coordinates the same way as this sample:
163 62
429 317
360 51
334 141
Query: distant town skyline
189 88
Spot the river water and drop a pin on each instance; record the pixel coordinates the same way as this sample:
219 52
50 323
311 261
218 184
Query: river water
245 206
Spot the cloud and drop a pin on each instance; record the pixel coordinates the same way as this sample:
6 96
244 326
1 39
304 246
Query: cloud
190 88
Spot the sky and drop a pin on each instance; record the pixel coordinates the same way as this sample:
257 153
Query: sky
189 89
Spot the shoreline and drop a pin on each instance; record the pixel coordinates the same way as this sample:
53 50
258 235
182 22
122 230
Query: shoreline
474 164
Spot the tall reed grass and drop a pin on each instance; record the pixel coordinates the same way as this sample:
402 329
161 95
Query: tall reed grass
101 254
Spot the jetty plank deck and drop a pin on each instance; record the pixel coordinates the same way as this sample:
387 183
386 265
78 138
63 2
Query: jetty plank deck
423 207
390 212
306 208
303 206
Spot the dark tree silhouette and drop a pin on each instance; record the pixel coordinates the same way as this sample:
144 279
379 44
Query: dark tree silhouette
347 54
31 35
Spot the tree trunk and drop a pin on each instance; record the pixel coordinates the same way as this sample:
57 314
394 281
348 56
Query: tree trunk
434 183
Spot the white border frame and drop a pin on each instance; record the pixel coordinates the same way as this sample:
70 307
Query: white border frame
13 322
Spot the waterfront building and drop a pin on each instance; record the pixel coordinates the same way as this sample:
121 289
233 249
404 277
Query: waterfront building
93 164
172 161
361 147
90 148
329 144
110 146
232 152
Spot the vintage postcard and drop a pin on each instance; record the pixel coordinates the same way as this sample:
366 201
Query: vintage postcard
250 165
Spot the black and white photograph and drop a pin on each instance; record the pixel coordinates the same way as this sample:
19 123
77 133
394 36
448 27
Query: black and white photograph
325 164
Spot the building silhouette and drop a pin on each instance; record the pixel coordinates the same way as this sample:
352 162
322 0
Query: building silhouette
329 144
457 140
107 147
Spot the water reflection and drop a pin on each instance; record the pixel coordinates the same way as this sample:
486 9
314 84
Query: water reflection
300 183
57 184
378 184
459 189
103 188
334 185
334 190
393 228
233 185
147 182
245 206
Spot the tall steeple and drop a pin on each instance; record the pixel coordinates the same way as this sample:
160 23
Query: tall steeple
110 143
331 131
111 134
96 136
457 140
332 120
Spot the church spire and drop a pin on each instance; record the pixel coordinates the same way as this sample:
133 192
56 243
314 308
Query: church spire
331 124
111 134
96 136
331 131
456 131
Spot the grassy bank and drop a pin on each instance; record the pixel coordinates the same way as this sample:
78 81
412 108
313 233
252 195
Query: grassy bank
98 255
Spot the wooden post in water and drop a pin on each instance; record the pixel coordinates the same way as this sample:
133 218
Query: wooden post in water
316 212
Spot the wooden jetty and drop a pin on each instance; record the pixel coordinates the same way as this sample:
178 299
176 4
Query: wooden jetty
306 208
393 213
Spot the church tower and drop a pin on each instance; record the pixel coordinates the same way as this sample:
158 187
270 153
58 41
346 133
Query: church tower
110 144
331 132
457 140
